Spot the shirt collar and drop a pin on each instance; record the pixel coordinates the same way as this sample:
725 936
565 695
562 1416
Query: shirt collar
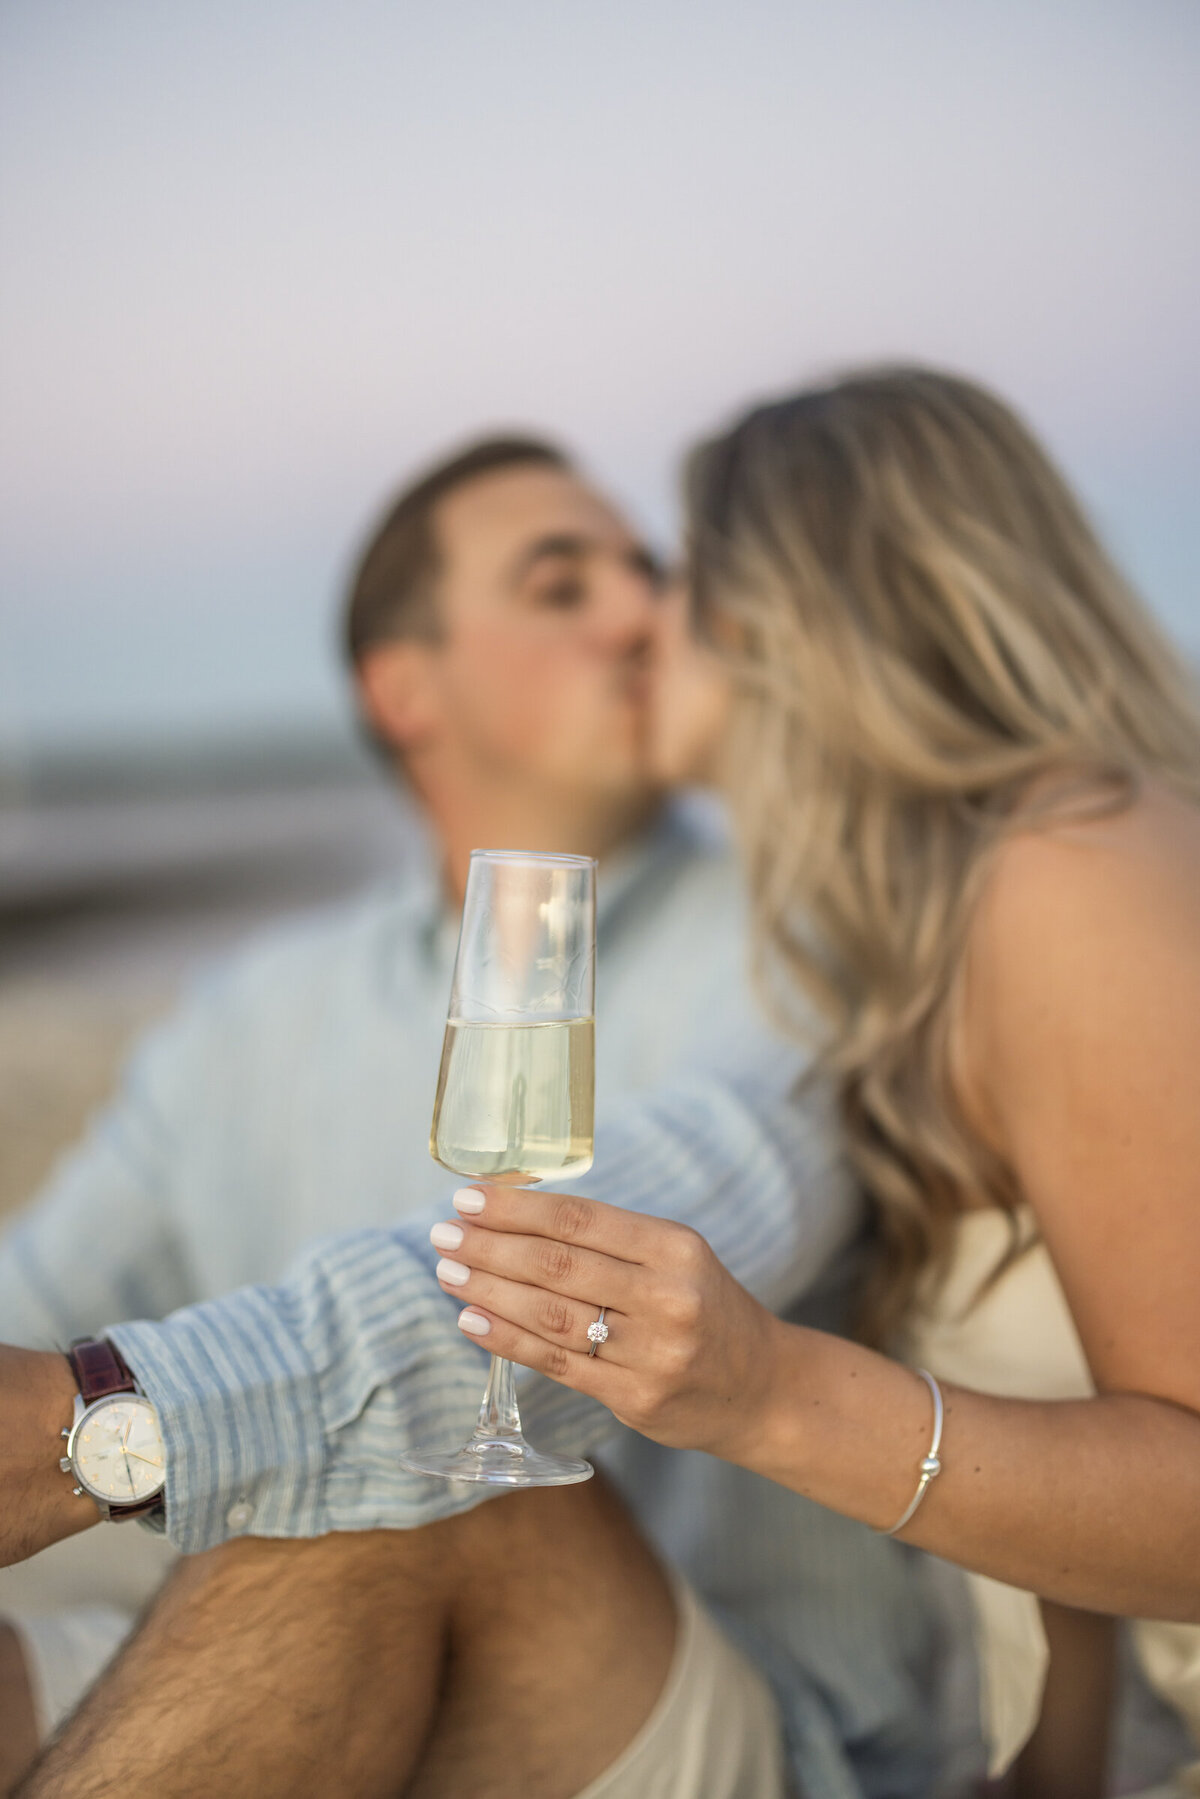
686 825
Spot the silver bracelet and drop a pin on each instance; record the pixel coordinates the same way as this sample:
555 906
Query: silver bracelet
931 1467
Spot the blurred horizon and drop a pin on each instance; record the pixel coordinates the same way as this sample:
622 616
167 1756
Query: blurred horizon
263 260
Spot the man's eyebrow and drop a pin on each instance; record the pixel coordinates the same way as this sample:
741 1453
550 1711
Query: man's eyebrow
576 545
554 543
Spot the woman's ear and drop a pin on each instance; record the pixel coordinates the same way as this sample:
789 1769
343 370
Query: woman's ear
398 693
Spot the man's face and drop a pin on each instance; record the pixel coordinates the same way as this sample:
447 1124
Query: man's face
548 607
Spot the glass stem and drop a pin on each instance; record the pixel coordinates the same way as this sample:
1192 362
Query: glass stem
498 1415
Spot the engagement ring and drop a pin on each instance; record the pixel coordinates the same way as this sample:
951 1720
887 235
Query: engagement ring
597 1332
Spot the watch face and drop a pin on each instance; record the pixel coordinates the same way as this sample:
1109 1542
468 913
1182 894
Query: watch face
116 1450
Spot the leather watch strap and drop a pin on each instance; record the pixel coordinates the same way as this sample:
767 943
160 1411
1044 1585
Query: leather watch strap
99 1369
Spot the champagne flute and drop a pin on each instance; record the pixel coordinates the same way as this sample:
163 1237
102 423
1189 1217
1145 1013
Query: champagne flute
515 1092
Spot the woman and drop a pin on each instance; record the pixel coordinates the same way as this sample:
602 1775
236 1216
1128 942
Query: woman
966 774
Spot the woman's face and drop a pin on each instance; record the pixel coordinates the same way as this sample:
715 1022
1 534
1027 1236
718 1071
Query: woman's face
692 691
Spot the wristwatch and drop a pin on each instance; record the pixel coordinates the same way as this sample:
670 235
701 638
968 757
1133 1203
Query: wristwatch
114 1445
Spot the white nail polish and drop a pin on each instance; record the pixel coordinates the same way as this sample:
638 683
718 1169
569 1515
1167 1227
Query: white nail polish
453 1273
473 1322
467 1200
445 1236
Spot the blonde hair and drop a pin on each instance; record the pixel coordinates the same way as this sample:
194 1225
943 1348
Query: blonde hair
926 630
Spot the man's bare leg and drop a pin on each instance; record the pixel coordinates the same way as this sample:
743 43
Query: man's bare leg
512 1651
1067 1755
18 1728
556 1653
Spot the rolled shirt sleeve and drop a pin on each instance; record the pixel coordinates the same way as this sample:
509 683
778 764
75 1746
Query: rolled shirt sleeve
285 1408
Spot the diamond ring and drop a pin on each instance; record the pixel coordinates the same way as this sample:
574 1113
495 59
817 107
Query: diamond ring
597 1332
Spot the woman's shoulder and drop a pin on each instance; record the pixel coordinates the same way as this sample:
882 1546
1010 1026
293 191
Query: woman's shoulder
1083 949
1105 871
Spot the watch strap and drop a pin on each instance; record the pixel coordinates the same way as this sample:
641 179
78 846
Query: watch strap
99 1369
145 1508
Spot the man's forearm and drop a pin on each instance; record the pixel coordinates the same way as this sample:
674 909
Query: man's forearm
285 1409
37 1504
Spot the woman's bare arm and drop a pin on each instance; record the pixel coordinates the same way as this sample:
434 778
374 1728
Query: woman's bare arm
1082 1053
1082 1045
1081 1064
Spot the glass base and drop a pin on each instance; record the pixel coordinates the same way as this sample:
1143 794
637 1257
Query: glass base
499 1460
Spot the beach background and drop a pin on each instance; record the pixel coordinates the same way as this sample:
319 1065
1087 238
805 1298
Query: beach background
122 883
262 259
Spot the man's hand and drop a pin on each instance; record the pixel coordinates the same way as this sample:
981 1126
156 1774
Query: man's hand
37 1393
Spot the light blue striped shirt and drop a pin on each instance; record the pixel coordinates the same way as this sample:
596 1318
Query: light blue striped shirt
290 1099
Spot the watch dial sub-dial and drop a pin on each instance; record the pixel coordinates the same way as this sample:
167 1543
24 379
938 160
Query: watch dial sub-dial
118 1451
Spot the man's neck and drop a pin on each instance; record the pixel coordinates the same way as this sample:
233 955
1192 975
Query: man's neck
547 822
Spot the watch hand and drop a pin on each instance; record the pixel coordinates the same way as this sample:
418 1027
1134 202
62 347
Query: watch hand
144 1458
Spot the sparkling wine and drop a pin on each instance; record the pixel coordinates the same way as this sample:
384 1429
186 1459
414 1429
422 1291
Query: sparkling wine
515 1101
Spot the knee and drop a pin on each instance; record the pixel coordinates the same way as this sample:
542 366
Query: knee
351 1575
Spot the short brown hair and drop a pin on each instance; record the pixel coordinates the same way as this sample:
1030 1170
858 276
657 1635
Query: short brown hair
392 594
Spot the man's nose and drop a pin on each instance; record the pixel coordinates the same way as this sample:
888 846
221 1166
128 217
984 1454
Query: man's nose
625 615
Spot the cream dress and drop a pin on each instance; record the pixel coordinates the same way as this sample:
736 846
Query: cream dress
1018 1340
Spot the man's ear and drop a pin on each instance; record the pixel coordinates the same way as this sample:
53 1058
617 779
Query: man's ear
398 693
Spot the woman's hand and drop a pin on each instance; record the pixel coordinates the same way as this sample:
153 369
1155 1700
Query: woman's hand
689 1355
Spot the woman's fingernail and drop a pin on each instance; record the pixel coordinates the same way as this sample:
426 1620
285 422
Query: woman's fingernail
475 1322
467 1200
453 1273
445 1236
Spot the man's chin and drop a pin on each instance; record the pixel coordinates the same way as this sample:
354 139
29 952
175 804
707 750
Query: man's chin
611 789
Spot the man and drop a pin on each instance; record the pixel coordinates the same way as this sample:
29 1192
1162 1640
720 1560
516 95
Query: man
503 629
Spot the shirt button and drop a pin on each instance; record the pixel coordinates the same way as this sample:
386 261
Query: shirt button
240 1514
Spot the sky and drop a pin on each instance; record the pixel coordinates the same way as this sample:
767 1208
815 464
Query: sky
260 258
